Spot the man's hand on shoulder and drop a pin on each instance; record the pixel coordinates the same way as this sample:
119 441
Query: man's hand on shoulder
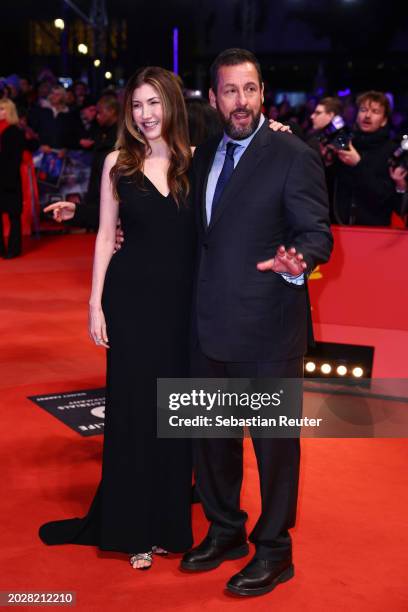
284 262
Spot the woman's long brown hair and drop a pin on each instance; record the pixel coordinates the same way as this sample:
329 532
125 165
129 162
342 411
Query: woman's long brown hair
134 147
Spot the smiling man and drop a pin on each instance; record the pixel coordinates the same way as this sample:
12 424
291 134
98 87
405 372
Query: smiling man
262 219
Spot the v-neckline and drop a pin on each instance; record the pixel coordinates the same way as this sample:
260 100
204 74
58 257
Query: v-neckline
158 190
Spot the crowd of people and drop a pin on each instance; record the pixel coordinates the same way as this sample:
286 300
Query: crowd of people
364 188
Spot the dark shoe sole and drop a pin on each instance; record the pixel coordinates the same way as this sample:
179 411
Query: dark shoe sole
235 553
286 575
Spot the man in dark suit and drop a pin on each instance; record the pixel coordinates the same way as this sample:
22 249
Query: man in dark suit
262 218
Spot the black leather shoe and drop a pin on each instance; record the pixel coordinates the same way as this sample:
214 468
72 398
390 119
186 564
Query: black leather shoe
260 576
212 552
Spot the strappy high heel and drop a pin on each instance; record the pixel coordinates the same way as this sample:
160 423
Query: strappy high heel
147 556
158 550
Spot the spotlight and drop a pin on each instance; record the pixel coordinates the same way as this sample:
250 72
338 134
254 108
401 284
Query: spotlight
82 49
341 370
310 366
358 372
108 75
59 24
97 63
326 368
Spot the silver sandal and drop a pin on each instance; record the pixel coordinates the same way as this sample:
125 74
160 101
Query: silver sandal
158 550
148 556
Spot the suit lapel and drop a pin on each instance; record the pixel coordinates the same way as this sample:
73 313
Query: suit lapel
206 165
245 168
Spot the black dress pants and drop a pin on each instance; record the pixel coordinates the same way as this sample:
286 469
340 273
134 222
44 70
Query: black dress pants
219 468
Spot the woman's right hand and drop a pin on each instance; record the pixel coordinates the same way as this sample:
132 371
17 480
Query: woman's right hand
97 326
62 211
119 237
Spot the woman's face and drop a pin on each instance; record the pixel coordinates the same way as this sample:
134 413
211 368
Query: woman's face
3 113
147 111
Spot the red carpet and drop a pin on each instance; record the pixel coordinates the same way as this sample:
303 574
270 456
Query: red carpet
351 539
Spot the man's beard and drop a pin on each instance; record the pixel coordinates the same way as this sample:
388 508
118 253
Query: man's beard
239 133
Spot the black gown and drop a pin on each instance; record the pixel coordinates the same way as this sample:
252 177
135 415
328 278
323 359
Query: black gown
144 497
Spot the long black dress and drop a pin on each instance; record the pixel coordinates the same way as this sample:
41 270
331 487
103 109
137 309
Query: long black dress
144 497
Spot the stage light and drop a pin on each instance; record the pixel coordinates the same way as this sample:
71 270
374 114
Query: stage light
310 366
82 49
97 63
326 368
335 362
358 372
108 75
59 24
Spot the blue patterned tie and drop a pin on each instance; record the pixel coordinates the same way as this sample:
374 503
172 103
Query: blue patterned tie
227 170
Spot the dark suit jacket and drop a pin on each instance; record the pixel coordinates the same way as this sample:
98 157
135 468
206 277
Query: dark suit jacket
276 195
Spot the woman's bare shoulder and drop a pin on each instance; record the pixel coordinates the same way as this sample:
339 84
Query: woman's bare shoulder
111 159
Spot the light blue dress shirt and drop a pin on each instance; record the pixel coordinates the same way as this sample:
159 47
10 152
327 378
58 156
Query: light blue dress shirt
216 171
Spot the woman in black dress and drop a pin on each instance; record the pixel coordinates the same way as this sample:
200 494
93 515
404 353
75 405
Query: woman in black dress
11 194
140 311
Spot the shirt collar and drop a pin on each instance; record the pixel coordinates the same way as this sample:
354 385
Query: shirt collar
242 143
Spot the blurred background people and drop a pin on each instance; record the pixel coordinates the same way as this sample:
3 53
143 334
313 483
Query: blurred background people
203 121
86 213
11 198
326 109
57 127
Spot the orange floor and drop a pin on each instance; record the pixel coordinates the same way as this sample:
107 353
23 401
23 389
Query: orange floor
351 539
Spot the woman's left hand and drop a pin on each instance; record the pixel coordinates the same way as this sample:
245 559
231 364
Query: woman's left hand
277 126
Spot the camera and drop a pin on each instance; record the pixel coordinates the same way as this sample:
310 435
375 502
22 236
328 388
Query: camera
399 159
336 134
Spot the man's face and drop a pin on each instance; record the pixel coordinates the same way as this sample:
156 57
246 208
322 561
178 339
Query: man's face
89 112
320 117
371 116
80 89
238 99
25 86
105 116
56 96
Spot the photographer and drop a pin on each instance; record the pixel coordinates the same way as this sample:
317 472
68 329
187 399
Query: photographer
327 109
399 174
364 191
324 113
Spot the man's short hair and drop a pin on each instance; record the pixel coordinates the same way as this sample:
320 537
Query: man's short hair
110 102
375 96
331 105
232 57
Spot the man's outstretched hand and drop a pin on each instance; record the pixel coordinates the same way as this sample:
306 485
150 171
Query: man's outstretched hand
285 261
